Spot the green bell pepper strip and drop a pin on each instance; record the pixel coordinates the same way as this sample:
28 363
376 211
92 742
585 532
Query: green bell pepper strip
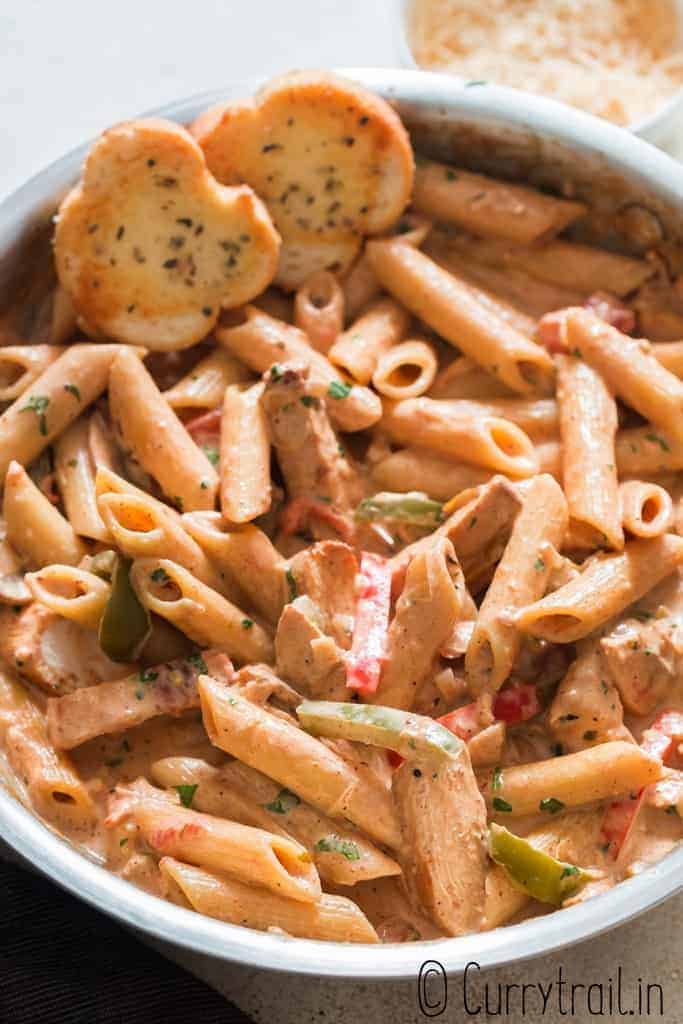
414 508
536 873
409 735
125 624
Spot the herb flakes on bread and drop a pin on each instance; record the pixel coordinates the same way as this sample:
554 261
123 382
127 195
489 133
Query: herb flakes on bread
150 247
331 160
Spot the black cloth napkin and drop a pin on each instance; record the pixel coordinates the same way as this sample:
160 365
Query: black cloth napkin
63 963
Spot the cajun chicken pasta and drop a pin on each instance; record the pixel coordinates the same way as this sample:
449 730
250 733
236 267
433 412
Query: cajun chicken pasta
342 528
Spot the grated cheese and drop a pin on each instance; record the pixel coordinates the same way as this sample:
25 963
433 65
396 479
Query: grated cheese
619 59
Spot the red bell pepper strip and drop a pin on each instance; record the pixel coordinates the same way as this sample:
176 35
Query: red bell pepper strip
660 741
205 423
516 703
368 649
464 721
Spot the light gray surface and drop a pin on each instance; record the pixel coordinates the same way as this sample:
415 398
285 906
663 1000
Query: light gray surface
66 73
648 948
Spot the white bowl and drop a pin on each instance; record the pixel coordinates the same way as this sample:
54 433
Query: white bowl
658 128
496 129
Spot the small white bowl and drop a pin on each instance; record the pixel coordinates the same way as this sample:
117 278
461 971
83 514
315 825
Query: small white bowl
658 128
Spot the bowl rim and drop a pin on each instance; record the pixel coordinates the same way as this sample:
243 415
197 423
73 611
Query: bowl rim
655 127
90 881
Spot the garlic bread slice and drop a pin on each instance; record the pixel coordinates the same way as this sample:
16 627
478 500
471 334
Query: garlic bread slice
150 247
331 160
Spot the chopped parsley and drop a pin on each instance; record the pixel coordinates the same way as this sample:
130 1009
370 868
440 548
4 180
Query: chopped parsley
276 372
283 802
247 623
334 844
497 780
212 453
291 584
159 576
73 390
551 805
38 404
147 675
122 842
339 389
569 871
310 401
196 660
450 174
539 564
476 81
501 805
186 794
656 439
642 616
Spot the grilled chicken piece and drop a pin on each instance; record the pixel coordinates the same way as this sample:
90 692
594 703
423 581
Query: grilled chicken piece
55 653
443 826
645 660
478 529
587 709
306 656
326 573
322 486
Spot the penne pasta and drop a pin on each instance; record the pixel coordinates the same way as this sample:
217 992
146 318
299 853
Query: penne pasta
490 208
588 426
446 305
596 773
278 863
243 554
171 591
646 509
607 585
144 528
54 400
245 490
357 351
35 528
463 378
488 441
303 764
670 355
567 264
520 578
342 855
319 309
331 918
75 473
628 369
50 780
433 599
204 386
170 688
157 438
21 365
360 287
418 469
406 371
70 592
262 342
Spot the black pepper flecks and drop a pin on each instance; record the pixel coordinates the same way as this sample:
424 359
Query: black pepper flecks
271 147
120 233
176 242
185 221
170 264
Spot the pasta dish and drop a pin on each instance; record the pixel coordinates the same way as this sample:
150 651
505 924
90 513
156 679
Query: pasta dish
342 527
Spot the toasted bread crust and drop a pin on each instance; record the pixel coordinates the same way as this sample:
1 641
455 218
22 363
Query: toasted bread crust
149 246
331 160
